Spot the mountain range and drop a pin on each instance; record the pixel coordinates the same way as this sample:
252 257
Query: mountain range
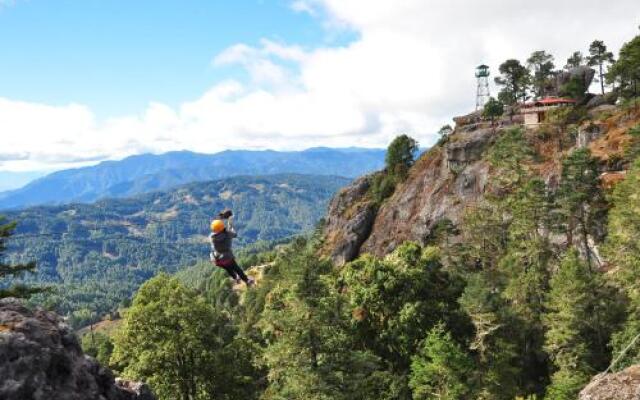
149 172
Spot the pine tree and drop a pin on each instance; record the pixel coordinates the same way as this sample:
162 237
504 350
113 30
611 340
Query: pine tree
573 306
12 271
626 70
622 249
541 66
441 369
576 60
599 56
525 268
514 81
401 156
494 338
493 109
582 203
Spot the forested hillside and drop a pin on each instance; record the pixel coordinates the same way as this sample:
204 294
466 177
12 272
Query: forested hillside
147 172
96 255
502 264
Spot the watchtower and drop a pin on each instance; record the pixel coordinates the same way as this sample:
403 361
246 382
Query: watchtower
483 94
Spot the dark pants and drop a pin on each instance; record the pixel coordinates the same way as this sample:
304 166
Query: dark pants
233 269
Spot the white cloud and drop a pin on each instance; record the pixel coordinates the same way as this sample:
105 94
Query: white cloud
410 69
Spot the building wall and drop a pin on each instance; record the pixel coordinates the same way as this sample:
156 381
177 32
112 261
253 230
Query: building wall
531 119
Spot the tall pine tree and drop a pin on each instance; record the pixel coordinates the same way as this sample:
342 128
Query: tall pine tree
623 252
582 203
441 369
581 315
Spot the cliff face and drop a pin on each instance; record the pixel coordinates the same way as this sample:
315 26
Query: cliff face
624 385
451 177
441 183
440 186
41 359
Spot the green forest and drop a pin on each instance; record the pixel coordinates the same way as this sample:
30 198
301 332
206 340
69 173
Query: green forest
94 256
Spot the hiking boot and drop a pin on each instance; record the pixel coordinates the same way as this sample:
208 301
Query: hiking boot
250 282
238 280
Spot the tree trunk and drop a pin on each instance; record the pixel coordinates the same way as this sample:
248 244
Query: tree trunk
585 236
601 79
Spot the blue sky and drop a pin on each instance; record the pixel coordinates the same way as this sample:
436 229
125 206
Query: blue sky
83 81
117 55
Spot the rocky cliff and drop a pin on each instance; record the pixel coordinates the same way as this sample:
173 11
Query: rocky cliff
41 359
624 385
455 174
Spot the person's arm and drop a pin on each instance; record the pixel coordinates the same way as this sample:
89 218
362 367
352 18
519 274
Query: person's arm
230 228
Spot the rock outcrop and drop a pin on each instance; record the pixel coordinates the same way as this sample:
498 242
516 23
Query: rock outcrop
441 184
624 385
601 100
349 221
41 359
584 75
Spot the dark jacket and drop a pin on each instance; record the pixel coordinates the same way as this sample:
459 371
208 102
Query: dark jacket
221 244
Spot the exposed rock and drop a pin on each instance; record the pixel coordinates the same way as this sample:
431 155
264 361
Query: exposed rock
443 182
623 385
138 390
467 148
600 100
348 224
583 74
472 118
41 359
589 133
605 108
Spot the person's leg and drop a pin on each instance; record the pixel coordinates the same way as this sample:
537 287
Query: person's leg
230 270
236 268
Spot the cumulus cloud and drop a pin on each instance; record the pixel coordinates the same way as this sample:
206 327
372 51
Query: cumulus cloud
408 70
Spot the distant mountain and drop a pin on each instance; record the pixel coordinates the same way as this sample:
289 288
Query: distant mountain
98 254
146 173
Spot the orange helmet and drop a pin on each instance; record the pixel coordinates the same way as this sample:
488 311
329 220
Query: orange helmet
217 226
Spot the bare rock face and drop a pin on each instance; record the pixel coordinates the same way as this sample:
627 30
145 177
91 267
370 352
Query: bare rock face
623 385
349 221
440 185
41 359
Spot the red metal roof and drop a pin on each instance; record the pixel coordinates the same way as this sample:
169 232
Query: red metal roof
550 101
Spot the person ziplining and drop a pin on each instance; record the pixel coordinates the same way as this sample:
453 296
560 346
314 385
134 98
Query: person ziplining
221 242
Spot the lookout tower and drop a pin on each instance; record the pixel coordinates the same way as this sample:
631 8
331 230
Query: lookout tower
482 96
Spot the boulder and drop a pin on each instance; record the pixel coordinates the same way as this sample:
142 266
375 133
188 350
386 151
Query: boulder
584 75
624 385
41 359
